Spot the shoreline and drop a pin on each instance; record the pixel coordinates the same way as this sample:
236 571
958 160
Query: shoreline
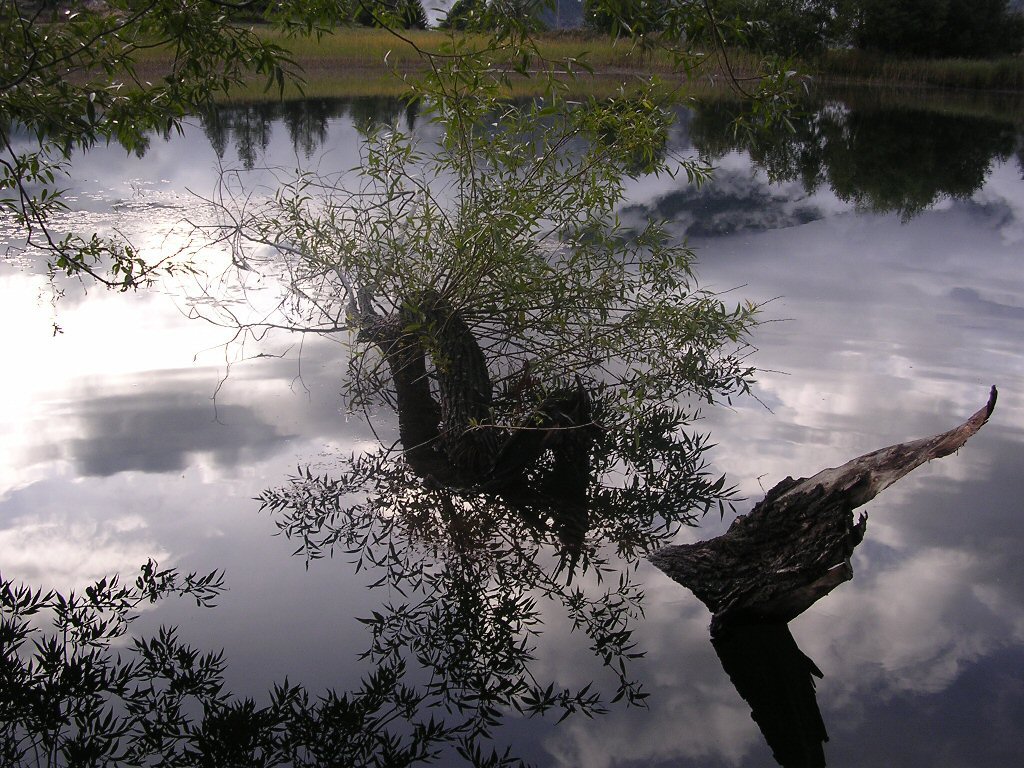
358 61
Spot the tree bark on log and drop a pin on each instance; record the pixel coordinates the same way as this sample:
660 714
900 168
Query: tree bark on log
794 547
419 415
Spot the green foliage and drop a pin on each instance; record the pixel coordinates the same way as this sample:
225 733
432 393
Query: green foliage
66 696
680 26
469 566
789 27
74 83
921 28
525 16
512 219
466 15
504 214
625 17
395 14
940 28
474 574
72 693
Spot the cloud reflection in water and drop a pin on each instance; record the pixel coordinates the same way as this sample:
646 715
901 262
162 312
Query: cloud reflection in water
889 328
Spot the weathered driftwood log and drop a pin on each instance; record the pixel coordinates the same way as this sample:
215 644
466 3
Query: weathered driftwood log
794 547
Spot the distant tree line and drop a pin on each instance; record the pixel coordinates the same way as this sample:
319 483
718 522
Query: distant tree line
969 28
395 14
404 14
912 28
924 28
920 28
466 15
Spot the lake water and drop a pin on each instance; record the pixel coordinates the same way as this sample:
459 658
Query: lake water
888 245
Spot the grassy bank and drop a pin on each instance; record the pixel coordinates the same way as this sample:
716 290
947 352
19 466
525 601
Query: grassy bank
361 58
1006 74
361 61
358 61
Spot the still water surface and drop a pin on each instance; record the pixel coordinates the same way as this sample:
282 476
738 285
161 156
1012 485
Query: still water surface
888 246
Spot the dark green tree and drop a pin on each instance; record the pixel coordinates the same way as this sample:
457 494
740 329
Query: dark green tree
942 28
466 15
883 159
981 29
395 14
924 28
629 18
789 27
908 28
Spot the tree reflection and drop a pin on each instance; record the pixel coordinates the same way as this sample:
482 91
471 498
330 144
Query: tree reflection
776 679
248 128
472 575
482 552
537 356
882 159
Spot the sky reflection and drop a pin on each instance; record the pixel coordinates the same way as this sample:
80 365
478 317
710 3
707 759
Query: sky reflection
123 440
880 331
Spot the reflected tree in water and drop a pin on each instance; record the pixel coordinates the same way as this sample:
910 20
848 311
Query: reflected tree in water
70 694
248 128
306 121
534 353
471 575
882 159
474 574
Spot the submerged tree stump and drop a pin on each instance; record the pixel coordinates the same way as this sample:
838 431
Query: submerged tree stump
794 547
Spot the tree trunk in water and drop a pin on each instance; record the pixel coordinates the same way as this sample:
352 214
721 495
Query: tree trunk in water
794 547
451 439
419 415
